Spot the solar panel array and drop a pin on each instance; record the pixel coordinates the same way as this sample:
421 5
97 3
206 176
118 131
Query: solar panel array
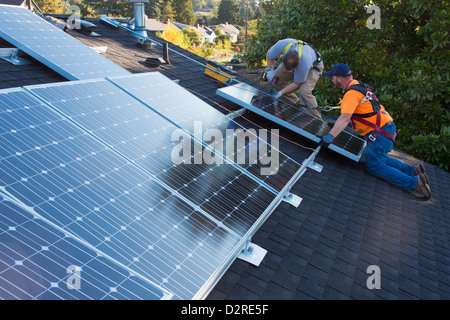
292 118
184 109
87 166
92 205
52 46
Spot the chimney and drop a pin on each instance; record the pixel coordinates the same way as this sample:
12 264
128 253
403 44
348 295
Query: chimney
139 17
139 24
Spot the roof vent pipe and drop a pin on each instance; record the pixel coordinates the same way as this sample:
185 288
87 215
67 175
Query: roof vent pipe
139 19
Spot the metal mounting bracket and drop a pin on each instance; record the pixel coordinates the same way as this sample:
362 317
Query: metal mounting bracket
315 166
253 254
292 199
12 55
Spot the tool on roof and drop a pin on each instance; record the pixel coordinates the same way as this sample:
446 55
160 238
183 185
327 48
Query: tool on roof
220 72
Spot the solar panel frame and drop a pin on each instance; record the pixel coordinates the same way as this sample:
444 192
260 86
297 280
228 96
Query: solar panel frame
300 122
52 46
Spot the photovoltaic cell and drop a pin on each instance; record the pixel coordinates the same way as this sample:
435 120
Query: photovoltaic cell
82 187
38 261
223 192
185 110
292 118
52 46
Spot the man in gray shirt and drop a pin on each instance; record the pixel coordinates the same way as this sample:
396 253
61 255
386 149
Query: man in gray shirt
300 69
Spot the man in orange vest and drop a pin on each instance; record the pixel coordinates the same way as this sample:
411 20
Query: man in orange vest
300 69
361 107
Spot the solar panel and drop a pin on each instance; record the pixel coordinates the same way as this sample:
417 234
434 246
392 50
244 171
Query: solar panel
292 118
186 110
53 47
39 261
85 188
222 192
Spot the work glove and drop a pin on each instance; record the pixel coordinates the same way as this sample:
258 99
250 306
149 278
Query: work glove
325 141
276 95
270 75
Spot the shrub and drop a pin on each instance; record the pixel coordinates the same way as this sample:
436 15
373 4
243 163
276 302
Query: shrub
407 60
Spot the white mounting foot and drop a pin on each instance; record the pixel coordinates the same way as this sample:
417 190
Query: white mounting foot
253 254
315 166
293 199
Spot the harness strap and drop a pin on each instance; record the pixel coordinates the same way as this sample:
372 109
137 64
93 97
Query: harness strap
369 95
300 52
376 126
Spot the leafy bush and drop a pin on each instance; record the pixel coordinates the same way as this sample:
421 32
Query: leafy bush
406 60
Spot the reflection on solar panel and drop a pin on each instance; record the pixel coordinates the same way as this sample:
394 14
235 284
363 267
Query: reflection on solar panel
83 187
39 261
53 47
185 109
292 118
223 192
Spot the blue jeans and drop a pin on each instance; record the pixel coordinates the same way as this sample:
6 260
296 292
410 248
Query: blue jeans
379 164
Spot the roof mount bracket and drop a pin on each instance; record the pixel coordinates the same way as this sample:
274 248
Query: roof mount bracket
12 55
293 199
252 253
315 166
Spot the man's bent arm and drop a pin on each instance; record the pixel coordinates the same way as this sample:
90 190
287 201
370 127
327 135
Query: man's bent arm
341 124
290 88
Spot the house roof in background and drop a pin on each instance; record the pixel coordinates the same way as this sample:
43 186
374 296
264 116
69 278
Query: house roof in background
348 220
229 28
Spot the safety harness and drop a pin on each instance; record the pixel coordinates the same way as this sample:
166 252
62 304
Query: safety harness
369 95
300 52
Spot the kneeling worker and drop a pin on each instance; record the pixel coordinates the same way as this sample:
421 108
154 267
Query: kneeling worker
300 69
371 121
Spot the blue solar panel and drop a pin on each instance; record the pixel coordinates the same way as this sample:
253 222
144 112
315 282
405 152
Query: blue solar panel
85 188
186 110
38 261
223 192
53 47
292 118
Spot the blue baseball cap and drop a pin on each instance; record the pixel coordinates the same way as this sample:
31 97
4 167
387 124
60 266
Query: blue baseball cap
340 70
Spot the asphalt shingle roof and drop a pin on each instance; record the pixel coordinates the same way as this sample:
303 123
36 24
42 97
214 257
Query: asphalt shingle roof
348 220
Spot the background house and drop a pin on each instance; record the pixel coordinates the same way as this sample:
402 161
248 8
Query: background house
229 30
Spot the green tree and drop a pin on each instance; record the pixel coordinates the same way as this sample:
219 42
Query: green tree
167 11
228 11
407 60
125 6
153 9
195 39
51 6
184 11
